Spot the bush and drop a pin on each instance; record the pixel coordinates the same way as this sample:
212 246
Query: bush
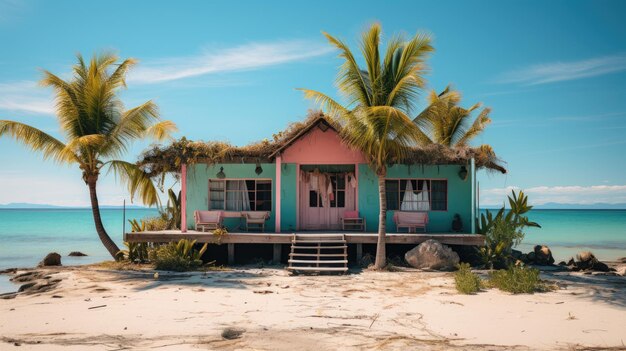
135 253
466 281
500 239
178 257
516 280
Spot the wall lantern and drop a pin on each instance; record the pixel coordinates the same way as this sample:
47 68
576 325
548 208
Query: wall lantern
463 173
258 170
221 174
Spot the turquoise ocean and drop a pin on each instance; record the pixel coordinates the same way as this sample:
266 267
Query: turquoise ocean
27 235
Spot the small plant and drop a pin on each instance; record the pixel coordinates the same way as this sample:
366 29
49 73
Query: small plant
516 280
219 233
466 281
178 256
135 253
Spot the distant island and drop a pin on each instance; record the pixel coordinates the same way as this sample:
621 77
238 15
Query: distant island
563 206
25 205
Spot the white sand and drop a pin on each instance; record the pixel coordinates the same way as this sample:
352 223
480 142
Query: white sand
370 310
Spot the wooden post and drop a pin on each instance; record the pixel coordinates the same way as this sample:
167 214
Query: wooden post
277 253
231 253
183 198
278 191
359 253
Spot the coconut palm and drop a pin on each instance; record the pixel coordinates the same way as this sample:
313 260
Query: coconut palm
97 129
379 98
448 124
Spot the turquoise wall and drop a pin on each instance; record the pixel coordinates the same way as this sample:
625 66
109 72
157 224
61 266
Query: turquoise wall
288 203
459 196
198 188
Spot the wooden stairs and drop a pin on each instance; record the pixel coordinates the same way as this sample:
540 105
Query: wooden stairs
314 253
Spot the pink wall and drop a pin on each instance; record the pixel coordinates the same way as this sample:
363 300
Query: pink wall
318 147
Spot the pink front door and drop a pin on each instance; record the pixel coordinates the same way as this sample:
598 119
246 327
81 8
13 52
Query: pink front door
322 209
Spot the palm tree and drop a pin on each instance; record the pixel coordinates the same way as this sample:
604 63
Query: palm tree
380 97
447 123
97 129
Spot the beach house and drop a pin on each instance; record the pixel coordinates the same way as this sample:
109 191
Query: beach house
312 183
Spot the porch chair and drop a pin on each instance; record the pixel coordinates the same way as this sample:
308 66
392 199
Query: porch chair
352 221
210 220
411 220
255 219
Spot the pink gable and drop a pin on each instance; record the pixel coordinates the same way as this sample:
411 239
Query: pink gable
319 147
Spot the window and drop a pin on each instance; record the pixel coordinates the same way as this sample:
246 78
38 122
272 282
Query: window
338 199
240 195
417 194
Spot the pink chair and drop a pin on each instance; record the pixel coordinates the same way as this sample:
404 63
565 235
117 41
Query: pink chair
210 220
411 220
352 221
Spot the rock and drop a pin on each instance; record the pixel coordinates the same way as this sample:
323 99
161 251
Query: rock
585 256
531 257
431 254
77 254
571 262
600 267
27 276
621 270
51 259
524 258
562 263
543 255
516 254
621 260
232 333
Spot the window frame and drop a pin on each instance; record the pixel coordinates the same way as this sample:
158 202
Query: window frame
225 190
430 197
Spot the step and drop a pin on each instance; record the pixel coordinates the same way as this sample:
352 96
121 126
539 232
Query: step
318 247
299 241
319 262
320 235
320 269
316 255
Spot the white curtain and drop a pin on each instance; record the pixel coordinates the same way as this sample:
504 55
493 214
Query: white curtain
410 199
423 203
237 198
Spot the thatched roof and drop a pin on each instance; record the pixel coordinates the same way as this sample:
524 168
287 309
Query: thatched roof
168 159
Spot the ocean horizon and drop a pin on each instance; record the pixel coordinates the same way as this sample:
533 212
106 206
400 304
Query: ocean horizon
27 235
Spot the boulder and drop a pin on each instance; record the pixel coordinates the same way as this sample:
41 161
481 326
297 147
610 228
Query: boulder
431 254
621 270
543 255
77 254
600 267
585 260
530 257
51 259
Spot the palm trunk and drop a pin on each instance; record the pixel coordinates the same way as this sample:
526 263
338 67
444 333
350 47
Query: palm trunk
381 256
108 243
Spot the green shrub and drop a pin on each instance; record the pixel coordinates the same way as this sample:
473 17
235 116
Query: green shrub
516 280
500 239
177 256
466 281
135 253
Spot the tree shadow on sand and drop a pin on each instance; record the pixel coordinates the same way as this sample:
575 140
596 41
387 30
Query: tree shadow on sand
602 288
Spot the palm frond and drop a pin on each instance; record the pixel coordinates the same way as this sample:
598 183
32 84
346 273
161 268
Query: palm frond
37 140
136 180
162 130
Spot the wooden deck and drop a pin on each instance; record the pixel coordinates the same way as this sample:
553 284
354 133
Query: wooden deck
285 238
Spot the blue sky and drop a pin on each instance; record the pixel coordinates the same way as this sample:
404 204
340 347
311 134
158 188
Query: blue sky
554 74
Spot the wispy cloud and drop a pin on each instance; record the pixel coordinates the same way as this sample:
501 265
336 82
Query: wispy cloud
564 71
244 57
539 195
26 96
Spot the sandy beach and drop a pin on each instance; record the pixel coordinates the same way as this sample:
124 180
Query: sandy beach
91 308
